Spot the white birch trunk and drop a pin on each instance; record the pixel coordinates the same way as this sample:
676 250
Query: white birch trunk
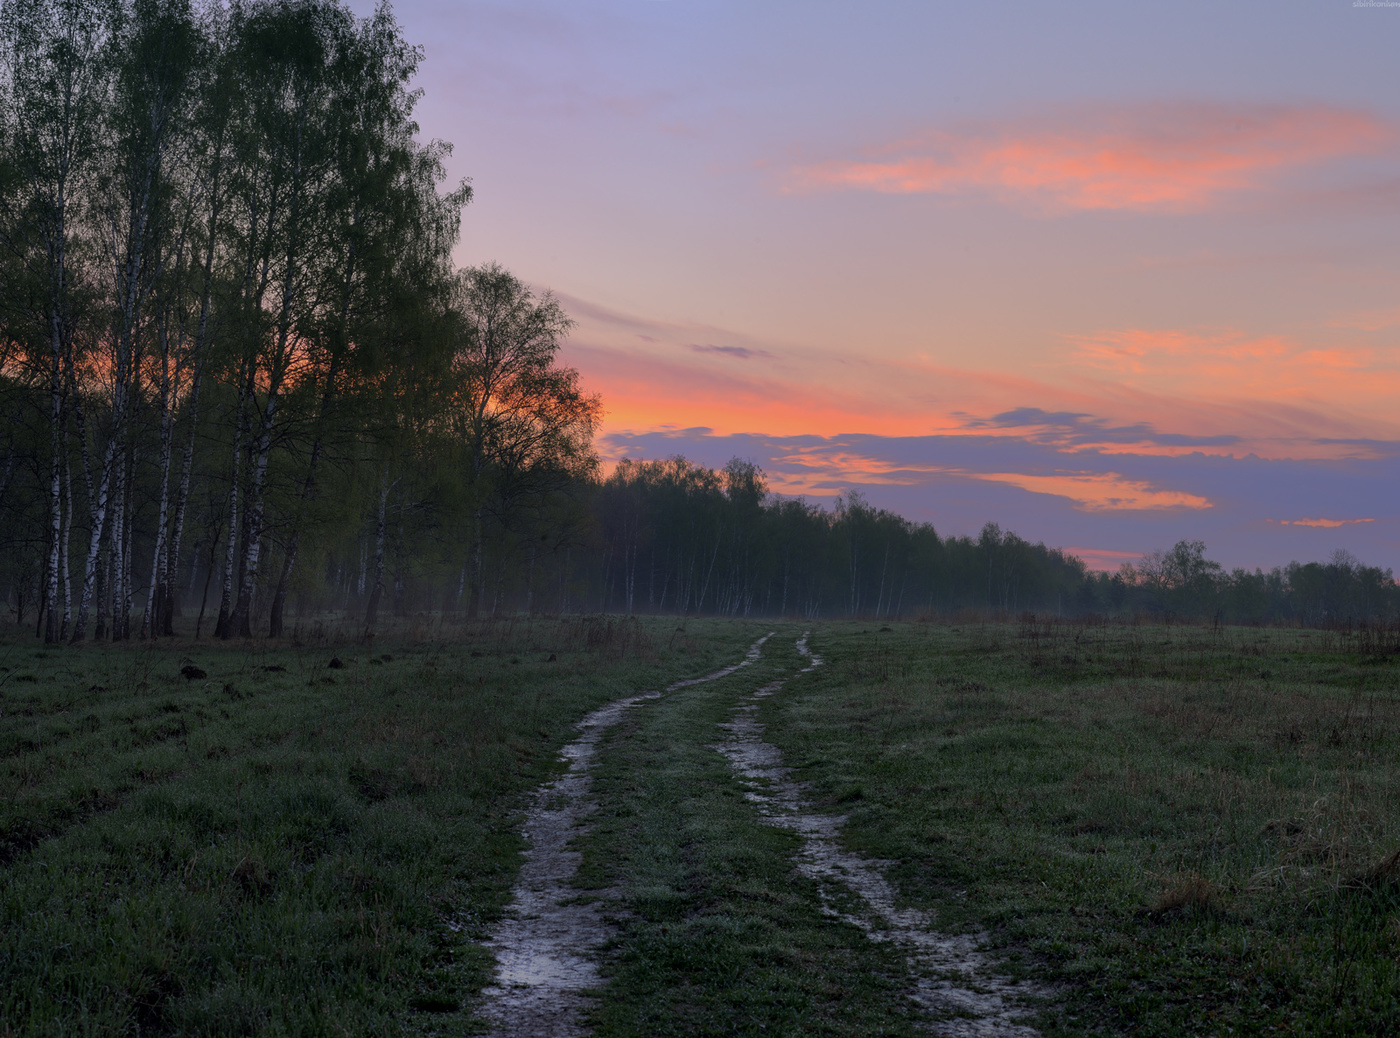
149 620
66 624
377 590
51 633
182 497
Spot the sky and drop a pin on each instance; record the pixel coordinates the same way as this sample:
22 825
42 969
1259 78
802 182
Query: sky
1110 275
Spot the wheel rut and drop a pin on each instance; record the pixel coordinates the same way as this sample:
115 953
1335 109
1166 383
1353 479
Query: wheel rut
546 944
956 985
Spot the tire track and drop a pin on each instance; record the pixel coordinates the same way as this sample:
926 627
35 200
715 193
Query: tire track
956 983
545 945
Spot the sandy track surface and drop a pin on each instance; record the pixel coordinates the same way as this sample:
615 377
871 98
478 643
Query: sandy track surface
954 976
545 946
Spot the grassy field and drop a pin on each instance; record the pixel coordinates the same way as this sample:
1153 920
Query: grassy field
1185 830
1191 831
284 840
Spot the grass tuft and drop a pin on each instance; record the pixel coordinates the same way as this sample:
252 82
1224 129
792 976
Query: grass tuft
1188 894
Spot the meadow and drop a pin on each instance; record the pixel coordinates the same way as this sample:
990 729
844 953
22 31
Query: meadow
283 839
1187 830
1177 830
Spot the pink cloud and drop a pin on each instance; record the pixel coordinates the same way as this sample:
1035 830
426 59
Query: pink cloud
1100 491
1216 363
1326 524
1235 394
1103 560
1086 491
1172 157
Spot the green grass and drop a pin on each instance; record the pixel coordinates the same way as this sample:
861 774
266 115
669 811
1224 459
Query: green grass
720 937
1188 831
1193 831
280 846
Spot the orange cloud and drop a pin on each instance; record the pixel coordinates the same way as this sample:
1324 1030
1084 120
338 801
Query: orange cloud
1100 491
1158 157
852 467
1216 363
656 392
1124 390
1140 351
1328 524
645 390
1103 560
1087 491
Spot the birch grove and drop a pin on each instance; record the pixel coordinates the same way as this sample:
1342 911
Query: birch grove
228 291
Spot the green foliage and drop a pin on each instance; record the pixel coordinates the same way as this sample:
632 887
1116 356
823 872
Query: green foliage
232 342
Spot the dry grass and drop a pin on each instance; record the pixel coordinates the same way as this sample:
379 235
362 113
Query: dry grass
1187 893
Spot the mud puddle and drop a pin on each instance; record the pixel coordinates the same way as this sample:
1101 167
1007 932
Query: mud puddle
954 976
545 944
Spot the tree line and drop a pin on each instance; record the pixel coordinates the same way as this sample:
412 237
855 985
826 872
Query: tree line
673 537
683 538
1182 582
241 380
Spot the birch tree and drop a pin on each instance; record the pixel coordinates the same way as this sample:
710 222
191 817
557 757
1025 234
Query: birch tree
520 415
289 58
55 86
388 240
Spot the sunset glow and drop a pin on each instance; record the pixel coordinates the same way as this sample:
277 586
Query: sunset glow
1326 524
1102 279
1167 157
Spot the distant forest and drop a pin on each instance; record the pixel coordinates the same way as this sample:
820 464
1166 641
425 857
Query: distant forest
671 537
241 381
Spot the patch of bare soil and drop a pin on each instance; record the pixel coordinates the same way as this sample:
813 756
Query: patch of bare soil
546 944
956 982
